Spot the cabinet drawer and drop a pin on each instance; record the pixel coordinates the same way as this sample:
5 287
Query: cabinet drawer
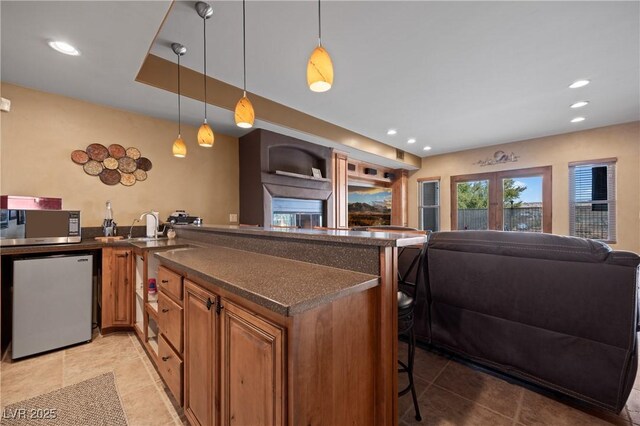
170 321
170 366
170 282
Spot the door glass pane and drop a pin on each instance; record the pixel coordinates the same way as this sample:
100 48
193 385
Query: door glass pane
522 204
473 205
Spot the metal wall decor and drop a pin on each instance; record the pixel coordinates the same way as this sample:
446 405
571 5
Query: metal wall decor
114 164
499 157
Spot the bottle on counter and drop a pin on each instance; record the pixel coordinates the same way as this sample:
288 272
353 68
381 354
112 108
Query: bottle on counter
108 225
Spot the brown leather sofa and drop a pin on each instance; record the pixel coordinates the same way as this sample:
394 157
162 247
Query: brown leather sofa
560 312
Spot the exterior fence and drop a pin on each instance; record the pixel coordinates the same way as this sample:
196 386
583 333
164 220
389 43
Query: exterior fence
527 219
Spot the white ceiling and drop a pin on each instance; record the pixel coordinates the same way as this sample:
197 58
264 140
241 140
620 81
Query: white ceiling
454 75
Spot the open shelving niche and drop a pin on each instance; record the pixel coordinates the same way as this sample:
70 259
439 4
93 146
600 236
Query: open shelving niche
146 305
139 282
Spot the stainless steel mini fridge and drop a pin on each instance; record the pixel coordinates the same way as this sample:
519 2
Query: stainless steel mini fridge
52 303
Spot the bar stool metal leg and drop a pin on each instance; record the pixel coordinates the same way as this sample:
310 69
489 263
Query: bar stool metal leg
408 368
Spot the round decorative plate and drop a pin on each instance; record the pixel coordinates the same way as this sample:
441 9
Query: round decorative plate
110 177
97 152
110 163
144 164
133 153
127 179
79 156
92 167
127 164
117 151
140 174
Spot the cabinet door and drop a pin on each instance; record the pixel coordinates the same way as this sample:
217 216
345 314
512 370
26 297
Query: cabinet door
251 369
200 336
117 287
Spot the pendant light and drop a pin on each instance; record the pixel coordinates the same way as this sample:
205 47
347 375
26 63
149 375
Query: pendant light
179 147
205 133
244 109
320 67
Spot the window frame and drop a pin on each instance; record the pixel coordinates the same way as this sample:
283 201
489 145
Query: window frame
612 223
495 219
422 206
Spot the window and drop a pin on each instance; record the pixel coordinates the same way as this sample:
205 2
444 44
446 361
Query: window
429 204
510 200
592 199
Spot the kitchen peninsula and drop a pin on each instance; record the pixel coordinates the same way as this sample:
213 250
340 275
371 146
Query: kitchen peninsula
273 325
329 294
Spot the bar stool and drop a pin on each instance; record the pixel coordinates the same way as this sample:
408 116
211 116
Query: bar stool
406 303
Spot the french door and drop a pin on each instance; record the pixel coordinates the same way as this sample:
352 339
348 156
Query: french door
510 200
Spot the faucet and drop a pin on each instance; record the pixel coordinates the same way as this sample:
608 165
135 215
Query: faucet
149 213
131 229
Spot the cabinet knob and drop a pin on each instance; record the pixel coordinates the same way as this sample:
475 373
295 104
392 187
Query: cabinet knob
209 303
165 358
165 281
165 310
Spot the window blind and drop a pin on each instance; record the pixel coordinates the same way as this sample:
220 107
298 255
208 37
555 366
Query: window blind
592 200
429 208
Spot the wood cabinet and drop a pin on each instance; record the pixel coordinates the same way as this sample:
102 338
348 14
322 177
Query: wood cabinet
243 364
170 283
200 355
251 355
170 366
170 321
117 308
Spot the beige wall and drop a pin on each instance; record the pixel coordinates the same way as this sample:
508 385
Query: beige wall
621 141
42 129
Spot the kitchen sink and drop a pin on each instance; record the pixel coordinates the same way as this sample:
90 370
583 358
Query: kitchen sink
144 239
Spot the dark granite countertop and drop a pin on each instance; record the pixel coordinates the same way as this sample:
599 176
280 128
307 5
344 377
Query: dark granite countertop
284 286
384 239
92 244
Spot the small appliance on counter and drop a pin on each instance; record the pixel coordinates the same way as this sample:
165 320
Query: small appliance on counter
37 220
181 217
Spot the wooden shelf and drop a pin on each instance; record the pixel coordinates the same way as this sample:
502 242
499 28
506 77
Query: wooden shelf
138 329
299 176
152 309
153 345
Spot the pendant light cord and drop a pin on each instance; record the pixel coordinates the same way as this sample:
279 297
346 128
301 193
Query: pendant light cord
179 124
244 50
204 35
319 25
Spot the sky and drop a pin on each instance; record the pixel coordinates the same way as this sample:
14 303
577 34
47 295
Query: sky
533 193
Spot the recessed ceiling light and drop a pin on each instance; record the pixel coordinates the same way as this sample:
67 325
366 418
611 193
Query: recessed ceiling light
427 148
578 119
580 104
392 132
411 140
579 83
64 47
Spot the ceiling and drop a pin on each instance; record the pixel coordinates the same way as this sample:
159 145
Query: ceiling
453 75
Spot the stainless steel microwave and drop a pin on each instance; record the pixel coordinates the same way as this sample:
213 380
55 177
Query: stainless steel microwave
27 227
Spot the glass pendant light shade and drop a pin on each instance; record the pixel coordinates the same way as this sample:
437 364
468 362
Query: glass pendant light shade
179 148
244 113
320 70
205 136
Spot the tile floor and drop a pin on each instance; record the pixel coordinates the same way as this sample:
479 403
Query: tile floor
449 393
145 399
